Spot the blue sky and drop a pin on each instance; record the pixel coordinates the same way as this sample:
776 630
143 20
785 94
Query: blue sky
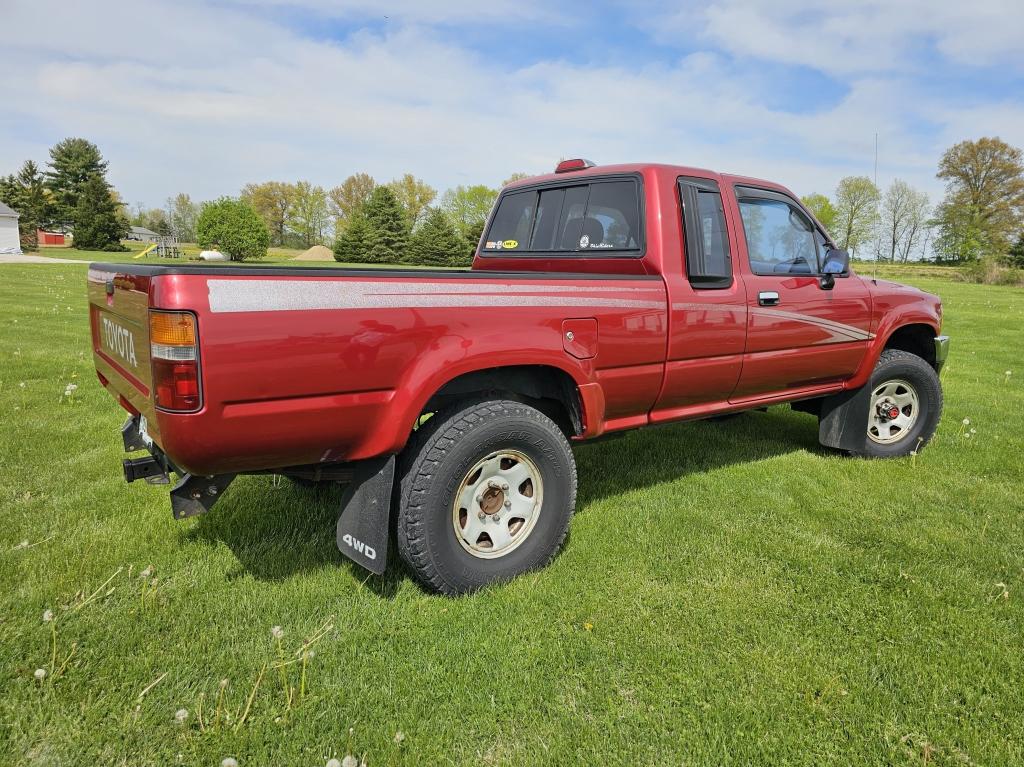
204 97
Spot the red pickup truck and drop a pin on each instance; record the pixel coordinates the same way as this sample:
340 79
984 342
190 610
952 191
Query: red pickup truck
600 299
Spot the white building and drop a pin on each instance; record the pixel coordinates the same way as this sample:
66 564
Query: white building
10 242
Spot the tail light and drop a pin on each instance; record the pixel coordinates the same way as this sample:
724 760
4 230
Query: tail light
174 352
567 166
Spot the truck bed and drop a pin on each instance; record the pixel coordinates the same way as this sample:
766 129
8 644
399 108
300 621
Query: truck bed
320 365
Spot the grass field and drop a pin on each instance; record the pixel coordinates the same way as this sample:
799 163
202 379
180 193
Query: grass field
275 257
730 594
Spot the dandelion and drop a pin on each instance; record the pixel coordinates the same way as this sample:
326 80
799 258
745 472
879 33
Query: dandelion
70 388
399 737
350 761
181 715
47 616
229 761
22 384
22 545
333 763
277 632
974 431
146 573
40 674
967 422
588 626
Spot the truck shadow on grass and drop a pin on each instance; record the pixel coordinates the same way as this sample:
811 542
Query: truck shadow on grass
277 529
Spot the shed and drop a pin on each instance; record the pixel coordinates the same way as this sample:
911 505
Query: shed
10 241
50 238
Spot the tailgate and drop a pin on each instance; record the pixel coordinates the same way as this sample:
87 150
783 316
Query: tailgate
119 318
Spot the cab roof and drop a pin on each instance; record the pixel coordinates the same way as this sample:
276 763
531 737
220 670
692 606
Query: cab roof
646 169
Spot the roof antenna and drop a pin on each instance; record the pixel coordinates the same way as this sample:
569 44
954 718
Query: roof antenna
877 247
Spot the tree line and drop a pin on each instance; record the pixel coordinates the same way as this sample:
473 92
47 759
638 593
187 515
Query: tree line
401 221
980 218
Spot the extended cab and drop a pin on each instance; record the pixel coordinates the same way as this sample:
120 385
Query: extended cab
600 299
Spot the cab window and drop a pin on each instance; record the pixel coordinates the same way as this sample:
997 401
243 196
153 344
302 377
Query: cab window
598 217
708 261
780 237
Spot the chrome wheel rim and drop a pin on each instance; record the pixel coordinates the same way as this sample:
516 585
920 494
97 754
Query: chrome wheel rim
497 505
894 411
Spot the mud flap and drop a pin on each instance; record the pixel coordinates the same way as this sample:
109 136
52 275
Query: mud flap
843 419
193 495
364 520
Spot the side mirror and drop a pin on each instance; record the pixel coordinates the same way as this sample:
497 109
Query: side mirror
836 262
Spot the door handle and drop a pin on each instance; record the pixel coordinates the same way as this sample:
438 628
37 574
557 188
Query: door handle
768 298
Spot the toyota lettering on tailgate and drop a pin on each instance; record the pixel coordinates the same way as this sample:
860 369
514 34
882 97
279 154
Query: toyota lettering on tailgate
120 341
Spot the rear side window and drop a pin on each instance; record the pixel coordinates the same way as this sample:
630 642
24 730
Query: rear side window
708 259
513 222
600 216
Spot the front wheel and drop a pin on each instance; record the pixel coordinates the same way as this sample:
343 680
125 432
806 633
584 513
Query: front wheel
904 406
486 494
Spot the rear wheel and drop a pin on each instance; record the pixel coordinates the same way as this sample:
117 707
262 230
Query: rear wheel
486 494
904 407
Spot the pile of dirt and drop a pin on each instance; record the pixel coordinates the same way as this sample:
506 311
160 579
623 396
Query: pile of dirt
316 253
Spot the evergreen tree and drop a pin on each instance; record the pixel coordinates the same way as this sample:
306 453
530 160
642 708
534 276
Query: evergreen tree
354 242
72 163
436 242
33 205
99 224
387 222
1015 257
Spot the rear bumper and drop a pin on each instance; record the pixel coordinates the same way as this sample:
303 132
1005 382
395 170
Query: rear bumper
941 352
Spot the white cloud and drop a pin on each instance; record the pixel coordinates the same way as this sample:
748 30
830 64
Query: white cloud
183 97
841 37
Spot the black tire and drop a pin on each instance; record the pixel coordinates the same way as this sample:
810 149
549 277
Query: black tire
432 469
894 364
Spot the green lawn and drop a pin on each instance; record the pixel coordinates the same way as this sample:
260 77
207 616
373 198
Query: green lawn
275 257
730 594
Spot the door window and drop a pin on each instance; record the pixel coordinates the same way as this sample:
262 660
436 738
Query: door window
780 238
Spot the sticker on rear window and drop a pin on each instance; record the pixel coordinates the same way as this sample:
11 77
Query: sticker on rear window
510 244
584 241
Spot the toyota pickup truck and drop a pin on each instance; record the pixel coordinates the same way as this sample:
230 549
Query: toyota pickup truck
600 299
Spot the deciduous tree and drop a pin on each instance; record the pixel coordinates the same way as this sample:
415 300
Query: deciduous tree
856 211
468 208
823 210
272 200
984 195
903 220
183 214
348 198
234 226
414 195
309 214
